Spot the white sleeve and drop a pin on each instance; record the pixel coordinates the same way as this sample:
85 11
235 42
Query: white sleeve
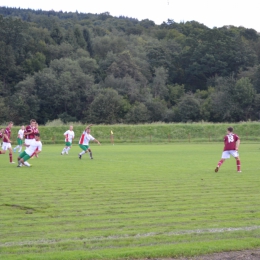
40 146
91 137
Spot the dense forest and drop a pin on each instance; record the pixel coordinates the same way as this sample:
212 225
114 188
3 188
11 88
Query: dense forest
103 69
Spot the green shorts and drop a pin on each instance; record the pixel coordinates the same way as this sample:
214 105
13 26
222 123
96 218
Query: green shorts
23 155
19 141
68 143
84 147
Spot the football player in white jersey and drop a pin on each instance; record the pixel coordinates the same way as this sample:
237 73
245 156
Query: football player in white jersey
84 140
69 136
20 139
34 148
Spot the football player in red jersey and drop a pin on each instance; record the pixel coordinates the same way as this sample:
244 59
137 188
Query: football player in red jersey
231 145
29 132
7 142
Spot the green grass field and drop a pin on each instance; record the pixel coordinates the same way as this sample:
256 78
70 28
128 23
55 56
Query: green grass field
131 201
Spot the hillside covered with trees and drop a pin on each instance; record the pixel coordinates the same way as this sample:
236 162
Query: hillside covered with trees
104 69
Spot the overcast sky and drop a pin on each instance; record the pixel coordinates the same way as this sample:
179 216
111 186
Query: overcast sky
210 13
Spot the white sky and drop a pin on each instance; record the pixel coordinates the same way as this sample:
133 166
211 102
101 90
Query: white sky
208 12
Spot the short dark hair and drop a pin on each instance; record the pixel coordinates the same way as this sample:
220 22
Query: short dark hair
32 120
37 134
230 129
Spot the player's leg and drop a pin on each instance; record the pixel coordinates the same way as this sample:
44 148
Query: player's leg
225 155
222 160
16 147
23 160
4 148
64 150
20 162
90 153
238 164
26 164
67 150
68 146
20 145
236 156
21 155
84 148
10 154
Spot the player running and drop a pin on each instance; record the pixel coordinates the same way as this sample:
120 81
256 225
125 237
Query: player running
84 140
33 149
231 145
69 136
20 139
7 142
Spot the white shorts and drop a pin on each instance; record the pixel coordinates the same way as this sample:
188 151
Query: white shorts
6 146
28 141
226 154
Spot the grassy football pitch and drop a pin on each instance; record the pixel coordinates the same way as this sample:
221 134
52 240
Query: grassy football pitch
131 201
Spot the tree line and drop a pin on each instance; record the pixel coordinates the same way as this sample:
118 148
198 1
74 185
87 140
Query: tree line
105 69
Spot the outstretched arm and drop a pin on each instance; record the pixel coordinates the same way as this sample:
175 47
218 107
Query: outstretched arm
88 126
95 140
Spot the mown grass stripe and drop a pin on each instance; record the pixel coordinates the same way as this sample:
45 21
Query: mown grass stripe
131 196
